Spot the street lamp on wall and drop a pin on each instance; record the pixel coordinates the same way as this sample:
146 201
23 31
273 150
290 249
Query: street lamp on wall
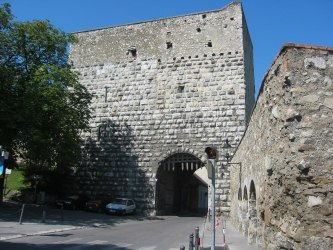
227 155
226 146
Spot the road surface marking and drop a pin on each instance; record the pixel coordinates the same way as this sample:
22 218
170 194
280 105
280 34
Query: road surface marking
66 241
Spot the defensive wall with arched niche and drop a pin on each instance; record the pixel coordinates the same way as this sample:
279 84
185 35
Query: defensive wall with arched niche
281 176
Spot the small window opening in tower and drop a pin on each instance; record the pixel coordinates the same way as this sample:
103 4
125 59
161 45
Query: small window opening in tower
106 94
99 133
209 44
204 16
198 29
168 33
132 51
181 89
169 45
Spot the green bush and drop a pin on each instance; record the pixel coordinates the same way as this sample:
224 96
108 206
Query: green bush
15 180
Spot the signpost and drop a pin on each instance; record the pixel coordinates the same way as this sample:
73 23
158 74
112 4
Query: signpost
3 157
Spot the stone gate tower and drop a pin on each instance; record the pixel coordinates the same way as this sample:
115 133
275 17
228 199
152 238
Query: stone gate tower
164 90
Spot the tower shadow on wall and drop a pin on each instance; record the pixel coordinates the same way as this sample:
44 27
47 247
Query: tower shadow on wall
110 165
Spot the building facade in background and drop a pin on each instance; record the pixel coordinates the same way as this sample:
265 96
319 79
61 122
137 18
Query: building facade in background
163 91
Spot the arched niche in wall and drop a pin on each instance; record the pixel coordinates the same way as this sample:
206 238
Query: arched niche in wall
252 228
240 194
245 197
252 201
253 195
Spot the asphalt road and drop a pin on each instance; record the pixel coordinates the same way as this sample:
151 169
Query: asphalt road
43 227
160 233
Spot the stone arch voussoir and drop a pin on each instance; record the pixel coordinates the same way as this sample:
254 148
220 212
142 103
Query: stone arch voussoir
171 152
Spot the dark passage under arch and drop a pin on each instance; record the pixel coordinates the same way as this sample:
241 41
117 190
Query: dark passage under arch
177 189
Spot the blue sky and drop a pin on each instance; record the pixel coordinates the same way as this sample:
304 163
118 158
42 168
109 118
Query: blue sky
271 22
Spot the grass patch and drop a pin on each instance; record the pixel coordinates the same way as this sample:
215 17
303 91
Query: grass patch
15 180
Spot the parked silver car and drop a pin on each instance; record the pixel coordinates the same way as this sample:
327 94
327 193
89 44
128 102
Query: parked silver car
121 206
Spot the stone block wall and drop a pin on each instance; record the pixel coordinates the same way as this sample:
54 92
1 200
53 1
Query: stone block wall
281 176
162 87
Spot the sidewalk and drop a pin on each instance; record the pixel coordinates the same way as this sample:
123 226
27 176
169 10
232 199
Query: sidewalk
13 225
12 230
231 240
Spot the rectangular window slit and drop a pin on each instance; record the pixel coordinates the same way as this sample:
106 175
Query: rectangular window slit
181 89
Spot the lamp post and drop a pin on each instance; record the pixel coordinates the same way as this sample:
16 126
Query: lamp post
211 164
212 157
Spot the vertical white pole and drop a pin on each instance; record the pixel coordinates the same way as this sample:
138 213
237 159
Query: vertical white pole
213 205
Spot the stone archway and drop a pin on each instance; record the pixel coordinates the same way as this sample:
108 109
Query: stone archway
252 230
245 210
178 190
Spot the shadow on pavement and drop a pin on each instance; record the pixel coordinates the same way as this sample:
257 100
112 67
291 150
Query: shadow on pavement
11 245
32 213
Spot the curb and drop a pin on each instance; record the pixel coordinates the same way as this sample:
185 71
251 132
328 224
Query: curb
39 233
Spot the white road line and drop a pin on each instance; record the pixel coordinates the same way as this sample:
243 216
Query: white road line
66 241
95 242
123 244
147 248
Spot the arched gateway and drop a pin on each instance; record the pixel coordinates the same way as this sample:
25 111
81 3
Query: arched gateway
178 189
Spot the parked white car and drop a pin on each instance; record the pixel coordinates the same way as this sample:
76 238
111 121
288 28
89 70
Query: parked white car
121 206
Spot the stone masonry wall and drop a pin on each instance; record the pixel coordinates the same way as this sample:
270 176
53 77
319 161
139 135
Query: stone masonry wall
281 176
162 87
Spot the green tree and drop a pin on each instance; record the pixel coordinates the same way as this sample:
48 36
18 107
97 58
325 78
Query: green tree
43 108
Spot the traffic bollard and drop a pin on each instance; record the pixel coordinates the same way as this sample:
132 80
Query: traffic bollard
22 211
191 244
197 238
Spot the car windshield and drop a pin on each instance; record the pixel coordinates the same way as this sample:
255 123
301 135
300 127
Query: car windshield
120 201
